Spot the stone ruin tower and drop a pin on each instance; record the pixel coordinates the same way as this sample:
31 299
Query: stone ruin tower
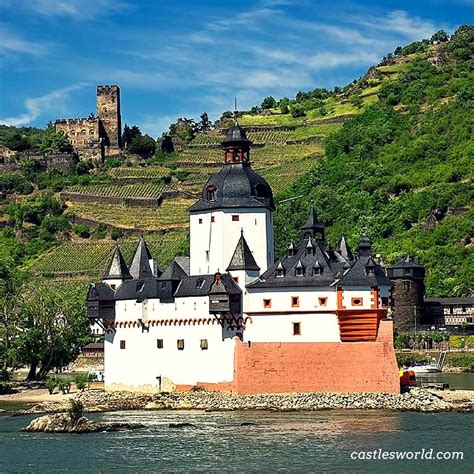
408 279
96 136
110 122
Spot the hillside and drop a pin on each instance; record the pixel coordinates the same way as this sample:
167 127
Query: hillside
391 154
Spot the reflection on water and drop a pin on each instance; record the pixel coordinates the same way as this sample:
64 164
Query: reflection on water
460 381
239 442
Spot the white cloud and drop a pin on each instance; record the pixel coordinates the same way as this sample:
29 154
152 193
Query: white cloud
36 106
398 22
79 10
11 42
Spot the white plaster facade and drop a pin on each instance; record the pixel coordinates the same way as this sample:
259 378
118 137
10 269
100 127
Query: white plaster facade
214 235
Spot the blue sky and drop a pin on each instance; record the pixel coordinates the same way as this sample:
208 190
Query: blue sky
183 57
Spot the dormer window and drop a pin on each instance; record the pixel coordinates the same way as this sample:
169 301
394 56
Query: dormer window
280 273
299 271
140 286
199 283
211 193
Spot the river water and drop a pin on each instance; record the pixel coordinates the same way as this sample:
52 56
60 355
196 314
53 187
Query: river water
243 442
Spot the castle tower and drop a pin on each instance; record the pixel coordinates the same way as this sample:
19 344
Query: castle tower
407 276
235 200
110 122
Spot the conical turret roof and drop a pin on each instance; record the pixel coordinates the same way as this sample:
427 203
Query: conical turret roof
343 249
242 259
117 268
140 266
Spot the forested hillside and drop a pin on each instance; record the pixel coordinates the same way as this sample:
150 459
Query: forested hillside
390 153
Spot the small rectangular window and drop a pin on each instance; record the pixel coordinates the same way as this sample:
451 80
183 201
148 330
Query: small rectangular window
235 218
295 301
122 344
267 303
385 301
159 343
296 329
323 301
213 219
204 344
357 301
200 221
180 344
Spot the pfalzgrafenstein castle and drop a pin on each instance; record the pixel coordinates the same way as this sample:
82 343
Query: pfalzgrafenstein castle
230 317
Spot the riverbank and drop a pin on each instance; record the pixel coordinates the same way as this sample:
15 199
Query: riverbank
422 400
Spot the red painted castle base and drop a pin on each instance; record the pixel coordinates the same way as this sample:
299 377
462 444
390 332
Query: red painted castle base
266 367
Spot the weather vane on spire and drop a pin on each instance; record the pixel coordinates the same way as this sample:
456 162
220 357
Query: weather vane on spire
235 110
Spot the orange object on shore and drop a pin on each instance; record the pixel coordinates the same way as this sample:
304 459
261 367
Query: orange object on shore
407 380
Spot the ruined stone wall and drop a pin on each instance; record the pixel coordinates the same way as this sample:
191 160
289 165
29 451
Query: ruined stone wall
79 131
108 111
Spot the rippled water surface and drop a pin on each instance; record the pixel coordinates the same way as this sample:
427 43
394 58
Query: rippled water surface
241 441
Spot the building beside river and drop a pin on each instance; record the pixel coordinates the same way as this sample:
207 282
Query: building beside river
232 317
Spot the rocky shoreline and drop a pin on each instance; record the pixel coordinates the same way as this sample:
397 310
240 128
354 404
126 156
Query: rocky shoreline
420 400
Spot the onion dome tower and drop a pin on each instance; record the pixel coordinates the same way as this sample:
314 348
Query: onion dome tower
236 198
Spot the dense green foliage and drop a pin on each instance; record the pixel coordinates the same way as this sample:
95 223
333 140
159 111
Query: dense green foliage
405 177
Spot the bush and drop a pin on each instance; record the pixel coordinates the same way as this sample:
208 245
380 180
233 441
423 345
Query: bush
297 111
75 410
465 361
82 231
407 360
116 234
51 383
81 381
5 382
63 384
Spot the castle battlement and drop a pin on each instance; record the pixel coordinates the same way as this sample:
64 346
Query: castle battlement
77 121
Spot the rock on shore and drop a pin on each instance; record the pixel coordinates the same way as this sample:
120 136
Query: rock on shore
62 423
417 400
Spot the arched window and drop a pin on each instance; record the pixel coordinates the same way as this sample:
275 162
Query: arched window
91 132
83 132
72 133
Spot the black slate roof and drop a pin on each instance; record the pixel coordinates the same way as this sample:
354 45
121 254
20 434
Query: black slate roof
407 262
200 285
174 271
242 259
117 268
236 185
140 266
236 135
314 263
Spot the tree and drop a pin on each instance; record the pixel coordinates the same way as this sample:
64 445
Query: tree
11 281
204 124
129 133
398 51
17 142
284 105
53 141
439 37
268 103
297 111
55 328
143 145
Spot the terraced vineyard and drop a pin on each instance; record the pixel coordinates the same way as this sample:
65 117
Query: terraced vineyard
132 191
145 172
91 258
171 214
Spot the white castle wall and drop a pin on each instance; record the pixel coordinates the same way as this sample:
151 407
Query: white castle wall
141 362
212 244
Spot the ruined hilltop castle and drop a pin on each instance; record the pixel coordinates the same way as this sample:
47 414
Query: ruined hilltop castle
96 136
